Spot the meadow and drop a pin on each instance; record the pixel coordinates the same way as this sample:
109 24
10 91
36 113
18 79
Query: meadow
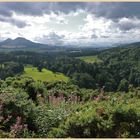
44 75
90 59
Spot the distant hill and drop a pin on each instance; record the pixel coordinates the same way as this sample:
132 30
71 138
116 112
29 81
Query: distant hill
25 44
20 43
134 44
127 52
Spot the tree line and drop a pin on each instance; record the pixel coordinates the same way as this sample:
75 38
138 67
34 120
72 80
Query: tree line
120 67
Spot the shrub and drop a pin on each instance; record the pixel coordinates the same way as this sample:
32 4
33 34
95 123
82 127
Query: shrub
15 112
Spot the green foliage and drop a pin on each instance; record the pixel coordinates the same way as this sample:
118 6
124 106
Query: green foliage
82 107
47 117
117 64
123 86
15 112
10 69
101 119
39 68
111 115
83 80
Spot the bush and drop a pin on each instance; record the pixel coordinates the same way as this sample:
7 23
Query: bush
15 112
47 117
101 120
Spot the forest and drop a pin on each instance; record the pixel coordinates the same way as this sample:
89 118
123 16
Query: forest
98 99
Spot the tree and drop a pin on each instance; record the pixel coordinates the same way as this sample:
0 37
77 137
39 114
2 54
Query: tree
40 67
15 112
123 86
83 80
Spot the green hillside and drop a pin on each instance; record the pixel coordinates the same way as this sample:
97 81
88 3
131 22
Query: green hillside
90 59
45 75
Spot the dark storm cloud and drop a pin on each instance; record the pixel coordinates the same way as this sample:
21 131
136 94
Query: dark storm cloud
51 38
15 22
18 23
54 36
105 36
19 8
36 9
126 24
113 11
94 36
5 12
108 10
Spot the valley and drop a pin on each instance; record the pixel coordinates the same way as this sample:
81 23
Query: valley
69 69
74 92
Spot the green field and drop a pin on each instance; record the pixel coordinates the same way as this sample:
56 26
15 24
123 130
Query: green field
90 59
45 75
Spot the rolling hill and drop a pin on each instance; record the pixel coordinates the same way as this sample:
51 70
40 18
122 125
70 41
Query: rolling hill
20 43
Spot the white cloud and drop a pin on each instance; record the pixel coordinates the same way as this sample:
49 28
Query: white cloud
76 27
52 39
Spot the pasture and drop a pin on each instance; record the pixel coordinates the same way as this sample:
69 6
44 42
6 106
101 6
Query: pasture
44 75
90 59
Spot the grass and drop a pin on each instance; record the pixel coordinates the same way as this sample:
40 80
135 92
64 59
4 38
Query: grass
90 59
45 75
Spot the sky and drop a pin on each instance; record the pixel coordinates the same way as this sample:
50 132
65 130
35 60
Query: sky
71 23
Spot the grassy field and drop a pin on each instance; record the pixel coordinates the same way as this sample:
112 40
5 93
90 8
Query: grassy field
45 75
90 59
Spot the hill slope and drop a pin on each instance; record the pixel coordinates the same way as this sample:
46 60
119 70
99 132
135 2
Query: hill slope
129 52
45 75
20 43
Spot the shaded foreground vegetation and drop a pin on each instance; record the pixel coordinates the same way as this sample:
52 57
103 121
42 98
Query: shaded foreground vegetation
99 100
31 108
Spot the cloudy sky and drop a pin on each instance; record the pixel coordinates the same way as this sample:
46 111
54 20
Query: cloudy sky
71 23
